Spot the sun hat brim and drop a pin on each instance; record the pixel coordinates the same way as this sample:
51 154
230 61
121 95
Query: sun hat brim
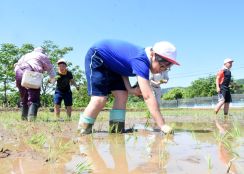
169 59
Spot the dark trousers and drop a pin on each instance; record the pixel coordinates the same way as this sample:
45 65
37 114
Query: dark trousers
27 96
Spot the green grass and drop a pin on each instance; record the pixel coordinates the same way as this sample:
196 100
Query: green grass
45 114
200 112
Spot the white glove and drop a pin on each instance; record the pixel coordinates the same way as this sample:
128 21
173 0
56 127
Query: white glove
166 129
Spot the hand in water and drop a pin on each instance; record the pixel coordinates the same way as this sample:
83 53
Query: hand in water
166 129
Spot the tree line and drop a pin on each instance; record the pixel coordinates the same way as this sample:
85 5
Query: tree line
202 87
9 96
10 54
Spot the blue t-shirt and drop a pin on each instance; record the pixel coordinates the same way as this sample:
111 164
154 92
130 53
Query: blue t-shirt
123 58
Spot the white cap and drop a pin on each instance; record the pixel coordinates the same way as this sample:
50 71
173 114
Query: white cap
228 60
61 61
166 50
39 49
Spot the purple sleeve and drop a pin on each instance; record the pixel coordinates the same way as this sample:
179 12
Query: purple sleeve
47 66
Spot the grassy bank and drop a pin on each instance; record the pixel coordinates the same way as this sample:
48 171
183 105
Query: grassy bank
45 114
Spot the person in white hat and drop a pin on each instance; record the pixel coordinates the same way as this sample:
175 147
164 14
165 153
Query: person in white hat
223 80
63 92
108 64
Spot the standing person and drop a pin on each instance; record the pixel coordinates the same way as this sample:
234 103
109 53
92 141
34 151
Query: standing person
63 92
156 80
223 80
35 61
108 64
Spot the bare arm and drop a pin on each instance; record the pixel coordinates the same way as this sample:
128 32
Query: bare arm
218 79
150 101
72 82
217 84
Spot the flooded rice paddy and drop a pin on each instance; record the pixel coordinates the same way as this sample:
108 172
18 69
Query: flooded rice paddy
56 147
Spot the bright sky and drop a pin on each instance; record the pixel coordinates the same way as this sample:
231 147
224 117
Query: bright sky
204 32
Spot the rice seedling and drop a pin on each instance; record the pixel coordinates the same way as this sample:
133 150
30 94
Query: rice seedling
132 136
219 137
83 167
135 136
55 152
100 123
193 134
128 138
55 127
235 131
229 138
209 163
113 128
148 117
37 140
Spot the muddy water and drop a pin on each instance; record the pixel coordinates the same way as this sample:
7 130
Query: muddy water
192 149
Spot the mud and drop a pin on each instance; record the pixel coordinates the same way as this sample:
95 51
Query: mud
56 147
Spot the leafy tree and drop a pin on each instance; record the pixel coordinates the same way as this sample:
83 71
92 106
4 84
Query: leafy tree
175 93
237 86
187 93
8 57
81 97
13 99
24 49
202 87
240 81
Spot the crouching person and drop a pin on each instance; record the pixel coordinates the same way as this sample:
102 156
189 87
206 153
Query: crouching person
35 61
108 64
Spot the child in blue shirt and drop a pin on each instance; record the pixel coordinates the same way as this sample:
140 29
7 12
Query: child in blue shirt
108 64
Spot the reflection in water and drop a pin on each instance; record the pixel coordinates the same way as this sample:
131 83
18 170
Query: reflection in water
227 157
138 153
149 152
125 153
28 166
223 126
